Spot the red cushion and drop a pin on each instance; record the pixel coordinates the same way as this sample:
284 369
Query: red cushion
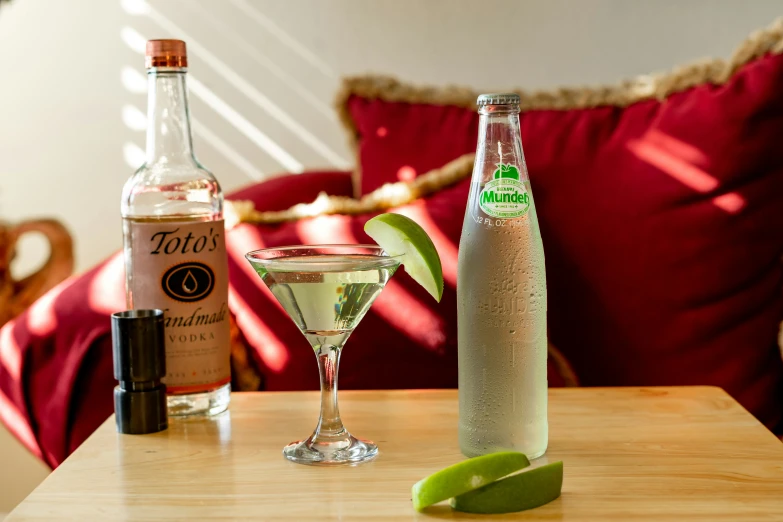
661 222
406 340
283 192
399 140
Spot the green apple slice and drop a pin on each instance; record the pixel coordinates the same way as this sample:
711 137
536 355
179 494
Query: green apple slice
401 236
466 476
526 490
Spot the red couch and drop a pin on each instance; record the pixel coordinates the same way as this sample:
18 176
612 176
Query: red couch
55 359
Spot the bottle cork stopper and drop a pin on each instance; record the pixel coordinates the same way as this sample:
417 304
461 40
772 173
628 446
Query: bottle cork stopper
166 53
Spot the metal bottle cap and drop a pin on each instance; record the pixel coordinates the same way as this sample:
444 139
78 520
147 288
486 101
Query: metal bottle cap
501 98
139 351
166 53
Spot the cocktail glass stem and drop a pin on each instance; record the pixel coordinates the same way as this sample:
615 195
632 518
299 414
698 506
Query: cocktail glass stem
330 426
330 443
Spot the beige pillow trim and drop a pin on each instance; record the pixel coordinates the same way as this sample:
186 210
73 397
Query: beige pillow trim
657 86
388 196
646 87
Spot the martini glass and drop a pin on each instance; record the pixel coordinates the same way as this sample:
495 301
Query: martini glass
326 290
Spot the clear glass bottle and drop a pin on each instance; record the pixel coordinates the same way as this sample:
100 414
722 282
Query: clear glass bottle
501 296
175 255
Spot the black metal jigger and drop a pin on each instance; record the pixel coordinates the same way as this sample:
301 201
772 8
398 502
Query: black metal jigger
138 347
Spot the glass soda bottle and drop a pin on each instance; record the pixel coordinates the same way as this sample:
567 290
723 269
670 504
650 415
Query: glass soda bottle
175 251
501 296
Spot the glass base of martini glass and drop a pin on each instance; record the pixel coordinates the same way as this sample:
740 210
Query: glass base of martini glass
326 290
330 443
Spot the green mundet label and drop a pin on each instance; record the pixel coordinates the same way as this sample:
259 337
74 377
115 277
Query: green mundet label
505 196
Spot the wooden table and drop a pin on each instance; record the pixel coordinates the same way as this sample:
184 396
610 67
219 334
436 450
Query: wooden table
652 454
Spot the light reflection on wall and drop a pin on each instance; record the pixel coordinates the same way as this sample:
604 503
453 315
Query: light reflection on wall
135 82
133 118
267 24
230 78
227 150
264 61
133 154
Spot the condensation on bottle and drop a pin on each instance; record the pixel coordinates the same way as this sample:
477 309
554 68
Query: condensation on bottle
501 296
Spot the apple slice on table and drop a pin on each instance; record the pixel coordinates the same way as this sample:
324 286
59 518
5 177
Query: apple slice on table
519 492
466 476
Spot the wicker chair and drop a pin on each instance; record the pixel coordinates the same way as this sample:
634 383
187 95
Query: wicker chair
17 295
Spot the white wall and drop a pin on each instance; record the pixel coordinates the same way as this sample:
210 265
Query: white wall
67 140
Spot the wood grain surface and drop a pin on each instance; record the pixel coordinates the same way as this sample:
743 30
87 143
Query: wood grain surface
651 454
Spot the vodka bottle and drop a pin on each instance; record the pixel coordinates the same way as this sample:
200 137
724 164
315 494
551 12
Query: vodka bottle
175 253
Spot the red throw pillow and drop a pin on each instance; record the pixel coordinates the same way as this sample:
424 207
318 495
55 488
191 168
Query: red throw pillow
660 208
285 191
406 340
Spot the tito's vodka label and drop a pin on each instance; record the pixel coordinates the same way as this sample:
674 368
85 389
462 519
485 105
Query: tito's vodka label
181 268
